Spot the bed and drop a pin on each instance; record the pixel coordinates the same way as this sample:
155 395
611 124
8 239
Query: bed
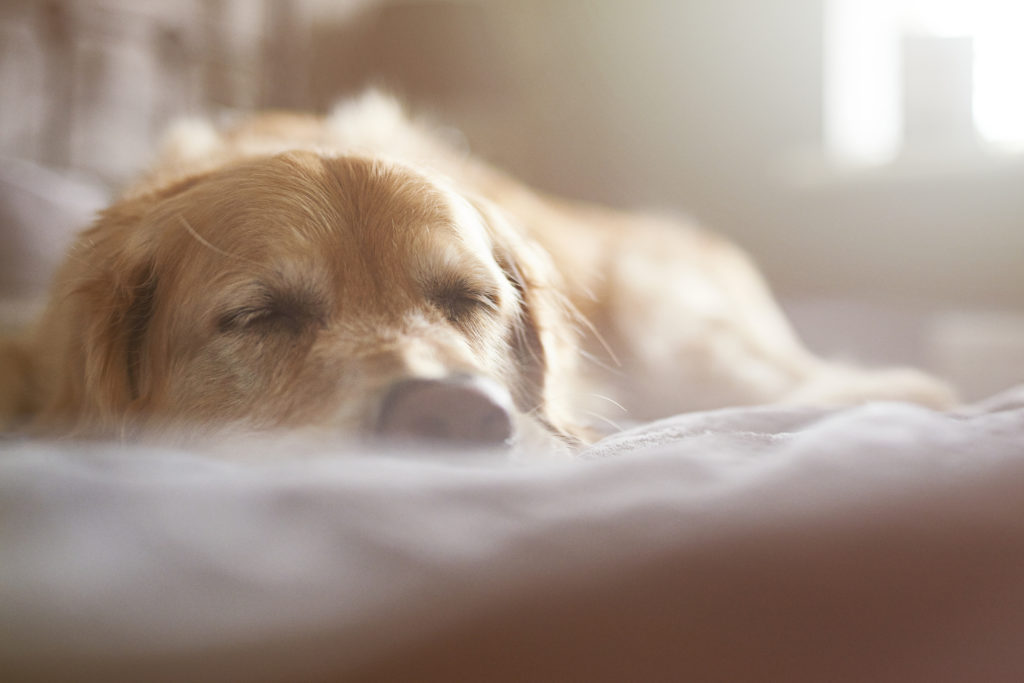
878 543
881 542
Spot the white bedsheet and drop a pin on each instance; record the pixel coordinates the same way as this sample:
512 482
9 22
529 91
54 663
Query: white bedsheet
884 542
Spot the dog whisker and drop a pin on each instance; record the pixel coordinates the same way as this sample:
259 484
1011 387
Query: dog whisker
597 362
603 419
611 400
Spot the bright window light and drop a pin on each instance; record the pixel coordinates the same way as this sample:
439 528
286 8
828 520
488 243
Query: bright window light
862 81
943 17
864 103
999 75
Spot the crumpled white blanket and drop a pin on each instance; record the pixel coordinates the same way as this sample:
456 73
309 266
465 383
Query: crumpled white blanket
884 542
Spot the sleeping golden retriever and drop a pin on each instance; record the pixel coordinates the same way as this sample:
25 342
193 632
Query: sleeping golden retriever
354 274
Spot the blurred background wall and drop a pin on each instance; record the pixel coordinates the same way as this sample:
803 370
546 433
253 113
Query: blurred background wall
838 141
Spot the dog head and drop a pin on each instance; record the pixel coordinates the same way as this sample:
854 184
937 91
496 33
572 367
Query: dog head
306 290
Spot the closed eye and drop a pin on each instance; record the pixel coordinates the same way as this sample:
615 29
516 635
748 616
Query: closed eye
460 301
272 311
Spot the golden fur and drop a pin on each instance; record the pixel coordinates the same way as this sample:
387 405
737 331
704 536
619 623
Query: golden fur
284 272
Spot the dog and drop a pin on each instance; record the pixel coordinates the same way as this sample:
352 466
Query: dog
356 273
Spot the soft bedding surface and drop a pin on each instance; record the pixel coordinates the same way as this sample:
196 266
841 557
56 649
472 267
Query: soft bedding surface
884 542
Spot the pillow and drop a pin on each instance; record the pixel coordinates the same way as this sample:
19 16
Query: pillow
40 211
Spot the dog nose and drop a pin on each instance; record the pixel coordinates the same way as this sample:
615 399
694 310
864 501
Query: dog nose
459 409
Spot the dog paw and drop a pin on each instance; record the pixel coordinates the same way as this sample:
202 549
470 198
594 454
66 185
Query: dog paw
848 385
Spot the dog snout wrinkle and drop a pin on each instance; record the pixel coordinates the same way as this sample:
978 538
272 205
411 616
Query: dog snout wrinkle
462 409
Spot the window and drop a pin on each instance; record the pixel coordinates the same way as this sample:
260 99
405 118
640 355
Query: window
922 77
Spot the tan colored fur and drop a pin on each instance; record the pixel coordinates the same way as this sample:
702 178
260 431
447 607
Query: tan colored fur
284 271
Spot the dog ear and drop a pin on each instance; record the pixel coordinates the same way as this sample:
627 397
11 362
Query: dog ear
543 339
89 348
120 303
528 351
84 358
80 367
90 340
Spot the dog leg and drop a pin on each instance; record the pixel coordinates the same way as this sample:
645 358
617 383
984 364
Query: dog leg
694 326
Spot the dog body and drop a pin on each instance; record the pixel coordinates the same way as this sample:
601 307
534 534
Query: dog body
355 273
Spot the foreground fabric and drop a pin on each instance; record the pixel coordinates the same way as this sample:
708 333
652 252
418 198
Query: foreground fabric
877 543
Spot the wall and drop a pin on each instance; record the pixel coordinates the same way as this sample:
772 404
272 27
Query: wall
711 107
